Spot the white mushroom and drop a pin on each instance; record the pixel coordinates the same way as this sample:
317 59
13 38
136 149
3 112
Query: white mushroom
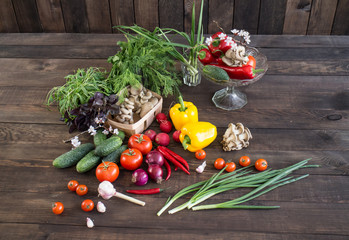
236 137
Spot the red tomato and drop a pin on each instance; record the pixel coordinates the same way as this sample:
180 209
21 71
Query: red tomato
131 159
87 205
57 208
107 171
81 190
219 163
141 142
261 164
200 154
230 167
72 185
244 161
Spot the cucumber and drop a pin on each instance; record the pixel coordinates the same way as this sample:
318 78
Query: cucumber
121 135
72 157
115 156
99 137
216 73
108 146
88 162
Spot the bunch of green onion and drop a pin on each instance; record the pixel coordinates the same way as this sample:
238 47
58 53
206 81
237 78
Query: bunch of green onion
262 183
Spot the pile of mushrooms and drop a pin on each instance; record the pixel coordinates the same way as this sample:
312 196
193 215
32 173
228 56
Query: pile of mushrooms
139 101
235 57
236 137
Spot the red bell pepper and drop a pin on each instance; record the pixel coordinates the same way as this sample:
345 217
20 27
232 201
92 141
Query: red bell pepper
205 56
224 45
244 72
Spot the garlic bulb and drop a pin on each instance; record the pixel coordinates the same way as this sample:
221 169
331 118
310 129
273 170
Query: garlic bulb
106 190
89 223
101 207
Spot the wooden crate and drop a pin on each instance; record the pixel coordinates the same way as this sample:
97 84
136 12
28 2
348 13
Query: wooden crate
142 124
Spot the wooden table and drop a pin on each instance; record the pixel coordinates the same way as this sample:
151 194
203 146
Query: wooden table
299 110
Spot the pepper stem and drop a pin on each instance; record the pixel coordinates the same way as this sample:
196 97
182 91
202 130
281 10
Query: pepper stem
257 70
186 142
181 102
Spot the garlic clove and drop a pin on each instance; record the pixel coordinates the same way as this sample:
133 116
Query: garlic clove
101 207
201 168
89 223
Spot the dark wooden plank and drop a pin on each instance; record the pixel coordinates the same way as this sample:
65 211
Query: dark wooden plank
75 16
271 18
47 231
27 16
321 17
98 14
297 17
171 14
51 16
342 12
8 22
120 13
146 13
220 15
188 6
245 8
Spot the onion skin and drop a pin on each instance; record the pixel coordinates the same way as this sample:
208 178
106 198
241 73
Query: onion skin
155 173
139 177
155 158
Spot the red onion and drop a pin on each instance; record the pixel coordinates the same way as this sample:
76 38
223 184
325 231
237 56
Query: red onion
140 177
151 134
155 173
155 158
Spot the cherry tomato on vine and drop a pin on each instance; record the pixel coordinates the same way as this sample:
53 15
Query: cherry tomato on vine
230 167
131 159
141 142
200 154
87 205
81 190
219 163
261 164
57 208
72 185
244 161
107 171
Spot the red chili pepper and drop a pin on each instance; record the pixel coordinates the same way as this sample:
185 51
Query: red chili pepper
168 168
172 160
176 156
219 61
145 191
205 56
244 72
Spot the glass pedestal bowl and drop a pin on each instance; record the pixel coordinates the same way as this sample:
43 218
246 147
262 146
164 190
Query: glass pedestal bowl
229 98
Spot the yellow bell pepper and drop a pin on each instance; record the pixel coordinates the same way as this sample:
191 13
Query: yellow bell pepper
196 136
182 113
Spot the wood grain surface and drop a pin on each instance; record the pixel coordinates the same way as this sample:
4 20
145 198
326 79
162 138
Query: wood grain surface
298 110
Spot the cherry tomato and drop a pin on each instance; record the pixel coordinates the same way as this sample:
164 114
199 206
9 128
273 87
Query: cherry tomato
141 142
261 164
87 205
219 163
107 171
81 190
72 185
131 159
57 208
230 167
244 161
200 154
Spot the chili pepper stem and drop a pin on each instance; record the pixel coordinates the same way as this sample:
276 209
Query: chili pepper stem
130 199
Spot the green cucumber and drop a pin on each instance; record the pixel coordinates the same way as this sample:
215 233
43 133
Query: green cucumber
99 137
216 73
88 162
72 157
115 156
121 135
108 146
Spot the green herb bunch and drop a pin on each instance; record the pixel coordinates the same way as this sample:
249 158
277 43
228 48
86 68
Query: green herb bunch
78 89
141 61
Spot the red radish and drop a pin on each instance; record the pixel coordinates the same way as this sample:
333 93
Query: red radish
160 117
165 126
162 139
175 135
151 134
155 173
